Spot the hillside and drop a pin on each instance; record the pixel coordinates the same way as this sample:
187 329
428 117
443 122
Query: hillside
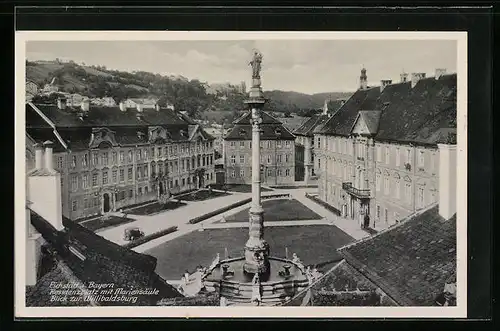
184 94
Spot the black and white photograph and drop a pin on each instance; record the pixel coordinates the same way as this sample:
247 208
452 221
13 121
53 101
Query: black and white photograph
243 172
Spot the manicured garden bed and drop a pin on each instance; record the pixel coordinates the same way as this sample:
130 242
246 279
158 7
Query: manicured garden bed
150 237
314 244
323 204
279 210
219 211
242 188
201 195
105 222
155 208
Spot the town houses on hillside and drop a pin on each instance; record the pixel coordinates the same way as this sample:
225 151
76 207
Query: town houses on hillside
113 157
379 156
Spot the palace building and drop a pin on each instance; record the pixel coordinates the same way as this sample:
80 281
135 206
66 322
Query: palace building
277 162
381 153
113 157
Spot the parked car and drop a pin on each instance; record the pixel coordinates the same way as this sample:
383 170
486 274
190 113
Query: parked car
133 233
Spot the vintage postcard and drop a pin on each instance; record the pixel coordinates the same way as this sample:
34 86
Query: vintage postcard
241 174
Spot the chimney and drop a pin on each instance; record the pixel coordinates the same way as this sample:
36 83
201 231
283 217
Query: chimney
85 105
61 103
122 106
404 77
38 156
48 155
440 72
415 77
44 191
363 80
447 180
384 83
139 107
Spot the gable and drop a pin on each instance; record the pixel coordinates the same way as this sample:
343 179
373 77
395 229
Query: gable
360 126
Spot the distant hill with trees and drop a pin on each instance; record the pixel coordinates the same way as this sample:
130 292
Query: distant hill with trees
185 94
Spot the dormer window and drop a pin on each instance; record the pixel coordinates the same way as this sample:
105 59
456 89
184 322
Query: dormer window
242 132
183 133
277 131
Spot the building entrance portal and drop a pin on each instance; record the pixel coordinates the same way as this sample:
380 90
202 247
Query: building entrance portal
106 202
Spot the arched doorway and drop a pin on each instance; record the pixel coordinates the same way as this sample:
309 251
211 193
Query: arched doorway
105 202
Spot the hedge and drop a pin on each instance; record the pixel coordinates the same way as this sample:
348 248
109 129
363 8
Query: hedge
150 237
291 187
324 204
219 211
273 196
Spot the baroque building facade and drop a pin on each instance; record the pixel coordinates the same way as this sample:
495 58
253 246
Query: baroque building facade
378 157
277 163
113 157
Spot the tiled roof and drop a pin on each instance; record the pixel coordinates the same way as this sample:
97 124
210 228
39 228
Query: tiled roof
371 119
104 261
412 261
101 116
307 128
334 105
341 122
424 114
293 123
271 129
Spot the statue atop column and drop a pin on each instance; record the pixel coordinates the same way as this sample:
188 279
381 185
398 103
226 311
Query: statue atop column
256 64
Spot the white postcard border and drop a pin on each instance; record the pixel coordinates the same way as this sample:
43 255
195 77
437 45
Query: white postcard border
21 310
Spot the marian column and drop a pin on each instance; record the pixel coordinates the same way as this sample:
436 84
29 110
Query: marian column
256 248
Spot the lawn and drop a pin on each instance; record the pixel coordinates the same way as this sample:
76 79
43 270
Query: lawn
105 222
201 195
314 244
155 208
242 188
278 210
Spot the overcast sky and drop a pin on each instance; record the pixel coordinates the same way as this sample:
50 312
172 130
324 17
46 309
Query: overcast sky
308 66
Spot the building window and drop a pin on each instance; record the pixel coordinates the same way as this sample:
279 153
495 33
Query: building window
139 191
85 181
242 173
318 143
233 174
398 190
74 183
86 203
85 160
160 151
232 143
104 177
269 159
386 185
386 212
94 179
122 175
145 171
279 158
279 143
73 161
95 159
387 155
421 159
131 193
129 173
122 157
287 172
60 162
319 163
287 158
269 172
378 211
105 158
242 159
145 158
74 205
278 173
242 144
114 176
408 192
287 143
152 152
146 190
114 157
408 156
138 170
129 156
421 199
379 154
377 182
233 159
398 157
